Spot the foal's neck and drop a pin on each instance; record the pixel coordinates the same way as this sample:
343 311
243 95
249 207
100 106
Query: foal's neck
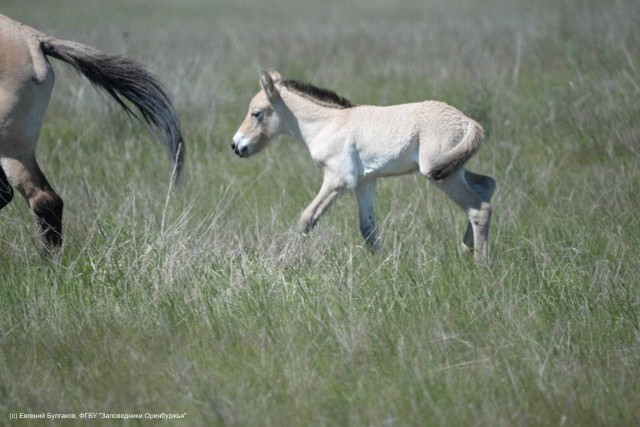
304 117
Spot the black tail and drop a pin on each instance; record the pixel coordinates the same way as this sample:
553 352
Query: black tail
124 78
447 163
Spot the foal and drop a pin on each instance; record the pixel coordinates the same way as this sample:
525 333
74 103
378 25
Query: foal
26 81
356 145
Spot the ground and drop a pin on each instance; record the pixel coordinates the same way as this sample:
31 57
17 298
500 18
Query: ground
207 302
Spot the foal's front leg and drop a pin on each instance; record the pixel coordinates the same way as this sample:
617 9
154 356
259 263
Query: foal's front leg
365 194
331 190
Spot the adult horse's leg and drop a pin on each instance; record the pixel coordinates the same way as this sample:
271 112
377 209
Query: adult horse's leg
484 186
365 194
6 192
25 174
479 211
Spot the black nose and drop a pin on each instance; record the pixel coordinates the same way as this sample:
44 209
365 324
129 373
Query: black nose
233 145
240 153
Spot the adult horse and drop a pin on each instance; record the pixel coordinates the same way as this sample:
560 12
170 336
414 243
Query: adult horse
356 145
26 81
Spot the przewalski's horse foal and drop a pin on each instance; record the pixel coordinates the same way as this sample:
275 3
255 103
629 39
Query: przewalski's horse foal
356 145
26 81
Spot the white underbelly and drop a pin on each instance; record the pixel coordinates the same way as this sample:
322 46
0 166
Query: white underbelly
375 168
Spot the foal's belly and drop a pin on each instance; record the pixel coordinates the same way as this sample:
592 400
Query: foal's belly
380 167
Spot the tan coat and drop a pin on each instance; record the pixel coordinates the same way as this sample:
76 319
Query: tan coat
355 145
26 81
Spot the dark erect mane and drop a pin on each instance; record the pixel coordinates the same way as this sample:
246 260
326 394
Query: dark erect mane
322 96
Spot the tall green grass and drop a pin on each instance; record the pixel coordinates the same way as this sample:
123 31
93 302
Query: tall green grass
206 301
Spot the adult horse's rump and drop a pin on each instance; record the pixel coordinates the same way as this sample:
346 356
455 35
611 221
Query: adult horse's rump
26 81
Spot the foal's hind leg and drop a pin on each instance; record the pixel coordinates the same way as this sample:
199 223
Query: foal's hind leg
484 186
479 211
46 205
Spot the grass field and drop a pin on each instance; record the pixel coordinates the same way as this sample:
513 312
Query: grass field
207 302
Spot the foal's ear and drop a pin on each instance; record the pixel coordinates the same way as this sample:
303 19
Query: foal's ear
277 78
268 85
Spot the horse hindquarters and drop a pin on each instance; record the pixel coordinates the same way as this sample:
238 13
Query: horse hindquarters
437 164
26 91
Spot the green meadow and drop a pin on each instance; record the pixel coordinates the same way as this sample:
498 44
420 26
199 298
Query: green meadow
206 301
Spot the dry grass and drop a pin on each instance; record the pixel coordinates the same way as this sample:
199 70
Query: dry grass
212 305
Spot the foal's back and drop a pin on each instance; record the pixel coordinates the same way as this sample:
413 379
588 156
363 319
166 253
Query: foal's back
398 130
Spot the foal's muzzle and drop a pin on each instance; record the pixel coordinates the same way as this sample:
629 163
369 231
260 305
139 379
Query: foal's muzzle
241 152
239 146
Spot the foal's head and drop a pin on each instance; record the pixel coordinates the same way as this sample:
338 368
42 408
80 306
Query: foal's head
262 122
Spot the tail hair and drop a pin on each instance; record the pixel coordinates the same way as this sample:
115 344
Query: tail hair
451 161
125 79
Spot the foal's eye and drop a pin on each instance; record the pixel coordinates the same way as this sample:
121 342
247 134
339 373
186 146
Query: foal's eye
257 114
